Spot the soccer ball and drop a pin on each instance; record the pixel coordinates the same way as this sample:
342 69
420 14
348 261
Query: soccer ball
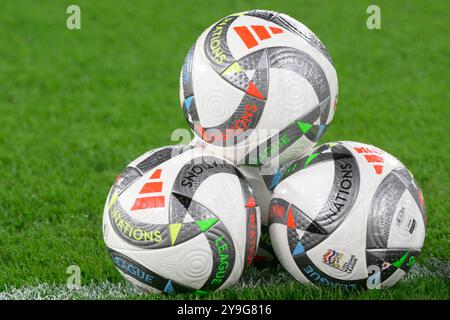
263 195
347 215
179 219
259 87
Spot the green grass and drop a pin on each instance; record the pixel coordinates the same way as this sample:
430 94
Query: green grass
77 106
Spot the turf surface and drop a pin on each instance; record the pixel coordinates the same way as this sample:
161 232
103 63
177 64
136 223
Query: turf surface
77 106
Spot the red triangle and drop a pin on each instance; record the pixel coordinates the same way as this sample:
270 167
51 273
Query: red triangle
276 30
378 169
290 219
421 198
156 174
251 202
201 132
253 91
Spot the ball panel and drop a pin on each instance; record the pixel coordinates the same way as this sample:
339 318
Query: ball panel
142 277
310 188
280 247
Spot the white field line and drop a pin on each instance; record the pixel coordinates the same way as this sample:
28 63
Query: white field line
254 278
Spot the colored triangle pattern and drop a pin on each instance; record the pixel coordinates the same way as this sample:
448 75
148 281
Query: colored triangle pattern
303 126
174 229
276 179
322 129
206 224
252 90
188 218
310 158
235 67
188 102
299 249
251 202
400 261
315 228
169 287
290 219
185 201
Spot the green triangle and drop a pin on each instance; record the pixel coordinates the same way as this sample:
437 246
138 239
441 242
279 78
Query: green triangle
303 126
233 68
174 230
310 158
206 223
400 261
201 292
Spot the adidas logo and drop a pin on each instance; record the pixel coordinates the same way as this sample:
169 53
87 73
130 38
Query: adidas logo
372 156
149 188
261 32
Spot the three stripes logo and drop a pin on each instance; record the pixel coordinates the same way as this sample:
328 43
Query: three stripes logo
372 156
151 187
262 32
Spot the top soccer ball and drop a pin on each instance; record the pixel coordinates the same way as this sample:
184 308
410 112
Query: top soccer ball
257 76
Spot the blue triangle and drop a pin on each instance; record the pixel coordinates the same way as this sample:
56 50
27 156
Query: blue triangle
276 179
299 249
188 102
169 287
322 128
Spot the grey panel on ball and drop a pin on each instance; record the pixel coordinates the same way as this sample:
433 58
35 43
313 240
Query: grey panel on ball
178 210
278 210
144 275
161 155
257 61
223 260
138 233
125 179
273 147
197 170
250 109
413 188
344 190
186 73
303 64
216 46
382 209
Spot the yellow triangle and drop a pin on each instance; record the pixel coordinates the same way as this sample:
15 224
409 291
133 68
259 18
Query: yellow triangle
239 13
233 68
174 230
113 200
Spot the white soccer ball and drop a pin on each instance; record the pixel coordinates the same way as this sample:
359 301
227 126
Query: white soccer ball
259 87
178 219
347 215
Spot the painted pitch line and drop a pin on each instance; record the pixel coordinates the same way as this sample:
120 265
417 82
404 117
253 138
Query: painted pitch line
44 291
252 279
